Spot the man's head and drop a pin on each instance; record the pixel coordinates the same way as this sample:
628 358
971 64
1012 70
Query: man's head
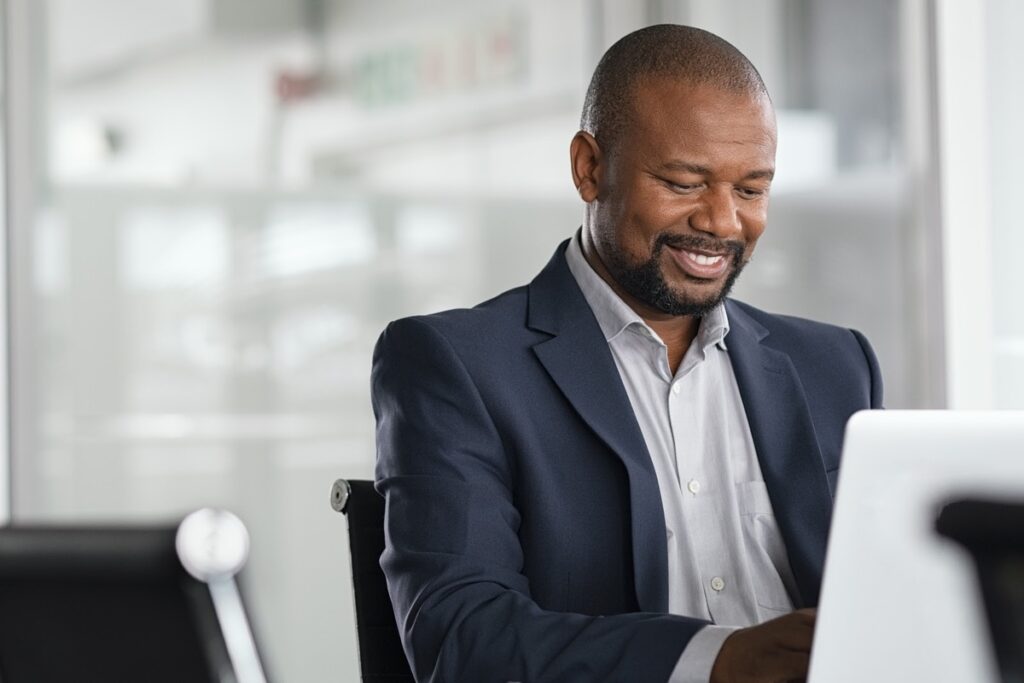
674 159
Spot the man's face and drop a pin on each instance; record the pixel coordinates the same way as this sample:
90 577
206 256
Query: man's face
682 199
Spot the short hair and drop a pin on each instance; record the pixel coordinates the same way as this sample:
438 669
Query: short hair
681 52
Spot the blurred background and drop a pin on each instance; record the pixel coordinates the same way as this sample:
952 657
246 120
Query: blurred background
213 207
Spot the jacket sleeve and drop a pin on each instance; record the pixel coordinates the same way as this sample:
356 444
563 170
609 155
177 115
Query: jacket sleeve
452 555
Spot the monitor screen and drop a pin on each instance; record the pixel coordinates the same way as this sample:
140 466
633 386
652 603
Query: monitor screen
105 604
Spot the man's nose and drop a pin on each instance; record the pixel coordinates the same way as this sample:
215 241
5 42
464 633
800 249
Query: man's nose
716 214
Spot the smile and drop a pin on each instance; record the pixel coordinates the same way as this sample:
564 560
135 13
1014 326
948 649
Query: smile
699 265
703 259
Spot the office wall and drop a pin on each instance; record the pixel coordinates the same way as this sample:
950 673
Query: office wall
231 201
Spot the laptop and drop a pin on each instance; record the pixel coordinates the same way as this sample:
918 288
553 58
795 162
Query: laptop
900 602
156 604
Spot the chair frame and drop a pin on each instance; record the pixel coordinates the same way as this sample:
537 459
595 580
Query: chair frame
381 656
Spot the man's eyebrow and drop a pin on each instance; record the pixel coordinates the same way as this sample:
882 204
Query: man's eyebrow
697 169
766 173
685 167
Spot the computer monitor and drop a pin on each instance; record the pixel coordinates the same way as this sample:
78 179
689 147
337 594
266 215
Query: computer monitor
899 602
126 603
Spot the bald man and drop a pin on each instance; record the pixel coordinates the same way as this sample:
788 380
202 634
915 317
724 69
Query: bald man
617 473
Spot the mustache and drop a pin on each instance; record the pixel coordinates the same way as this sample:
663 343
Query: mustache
699 243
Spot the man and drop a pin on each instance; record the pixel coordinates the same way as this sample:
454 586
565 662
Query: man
614 473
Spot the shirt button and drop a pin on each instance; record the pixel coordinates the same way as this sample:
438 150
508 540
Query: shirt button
675 388
693 487
717 584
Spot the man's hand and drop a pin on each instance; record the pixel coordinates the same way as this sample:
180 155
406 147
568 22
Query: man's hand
775 651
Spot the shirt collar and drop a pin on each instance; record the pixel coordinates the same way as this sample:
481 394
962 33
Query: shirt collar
615 316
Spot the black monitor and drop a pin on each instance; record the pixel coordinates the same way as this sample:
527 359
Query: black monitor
125 604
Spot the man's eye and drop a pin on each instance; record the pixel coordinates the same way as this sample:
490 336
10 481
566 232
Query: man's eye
750 192
684 187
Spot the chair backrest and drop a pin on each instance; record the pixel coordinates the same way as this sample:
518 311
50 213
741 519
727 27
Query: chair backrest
381 657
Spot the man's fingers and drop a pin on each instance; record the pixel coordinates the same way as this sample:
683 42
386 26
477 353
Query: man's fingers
795 642
795 632
806 618
777 650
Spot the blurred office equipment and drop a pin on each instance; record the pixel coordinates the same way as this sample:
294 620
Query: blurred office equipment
381 657
993 532
898 602
101 604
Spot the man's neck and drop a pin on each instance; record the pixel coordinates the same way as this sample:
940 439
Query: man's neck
677 331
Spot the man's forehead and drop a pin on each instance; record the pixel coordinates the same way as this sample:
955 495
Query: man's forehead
654 88
672 104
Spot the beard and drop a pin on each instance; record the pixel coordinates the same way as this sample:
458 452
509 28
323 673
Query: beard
646 282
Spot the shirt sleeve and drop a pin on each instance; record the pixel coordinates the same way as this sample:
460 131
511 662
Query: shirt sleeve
694 665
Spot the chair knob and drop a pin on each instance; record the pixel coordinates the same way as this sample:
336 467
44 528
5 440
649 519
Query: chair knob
340 492
212 544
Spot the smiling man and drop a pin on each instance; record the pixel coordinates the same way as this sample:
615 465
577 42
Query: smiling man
615 473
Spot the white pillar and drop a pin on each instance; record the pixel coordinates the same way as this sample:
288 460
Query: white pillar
963 123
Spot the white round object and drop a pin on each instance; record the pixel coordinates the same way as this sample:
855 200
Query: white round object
212 544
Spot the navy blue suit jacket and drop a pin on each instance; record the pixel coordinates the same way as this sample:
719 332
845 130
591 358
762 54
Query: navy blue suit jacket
525 537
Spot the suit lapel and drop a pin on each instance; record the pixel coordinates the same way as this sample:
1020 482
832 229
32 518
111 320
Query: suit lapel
787 448
578 360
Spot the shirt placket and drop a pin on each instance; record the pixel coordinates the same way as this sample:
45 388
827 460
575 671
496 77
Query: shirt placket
700 489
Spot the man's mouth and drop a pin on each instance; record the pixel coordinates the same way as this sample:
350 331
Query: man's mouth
700 265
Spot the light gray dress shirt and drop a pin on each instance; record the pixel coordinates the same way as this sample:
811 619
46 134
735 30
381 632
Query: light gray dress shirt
726 559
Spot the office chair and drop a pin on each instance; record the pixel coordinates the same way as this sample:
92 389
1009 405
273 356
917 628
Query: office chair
381 657
993 532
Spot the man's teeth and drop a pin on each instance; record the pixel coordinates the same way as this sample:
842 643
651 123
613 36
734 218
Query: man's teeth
703 260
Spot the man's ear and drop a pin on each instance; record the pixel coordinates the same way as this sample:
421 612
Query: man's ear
587 165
